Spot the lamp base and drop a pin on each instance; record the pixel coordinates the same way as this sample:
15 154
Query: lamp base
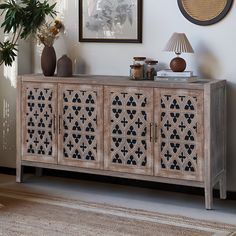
177 64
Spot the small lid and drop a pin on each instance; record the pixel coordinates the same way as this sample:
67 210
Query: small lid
151 62
139 58
64 55
135 66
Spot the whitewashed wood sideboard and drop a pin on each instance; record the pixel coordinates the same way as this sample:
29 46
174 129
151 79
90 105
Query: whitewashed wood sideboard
156 131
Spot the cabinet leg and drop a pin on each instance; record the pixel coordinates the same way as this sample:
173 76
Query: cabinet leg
208 198
19 174
223 193
38 171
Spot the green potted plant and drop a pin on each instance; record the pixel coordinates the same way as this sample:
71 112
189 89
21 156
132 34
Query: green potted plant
22 18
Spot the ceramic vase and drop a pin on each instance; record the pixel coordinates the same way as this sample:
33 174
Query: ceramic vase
64 66
48 60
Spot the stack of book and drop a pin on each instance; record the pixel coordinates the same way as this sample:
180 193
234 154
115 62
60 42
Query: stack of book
169 75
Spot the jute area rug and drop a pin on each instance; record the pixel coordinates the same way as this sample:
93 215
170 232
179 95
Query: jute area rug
30 214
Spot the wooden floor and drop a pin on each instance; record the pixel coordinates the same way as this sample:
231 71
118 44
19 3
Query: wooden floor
127 196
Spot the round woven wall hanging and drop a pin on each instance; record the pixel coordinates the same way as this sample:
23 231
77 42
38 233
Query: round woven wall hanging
204 12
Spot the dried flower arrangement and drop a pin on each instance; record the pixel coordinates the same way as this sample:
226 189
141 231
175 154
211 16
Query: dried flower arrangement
48 32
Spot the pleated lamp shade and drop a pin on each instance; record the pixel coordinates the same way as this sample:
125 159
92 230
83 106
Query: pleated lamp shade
178 43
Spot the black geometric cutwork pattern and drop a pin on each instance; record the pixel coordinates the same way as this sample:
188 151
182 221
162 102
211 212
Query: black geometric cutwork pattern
178 133
79 124
39 121
129 129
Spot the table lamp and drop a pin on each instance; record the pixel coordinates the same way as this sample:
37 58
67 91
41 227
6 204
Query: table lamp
178 43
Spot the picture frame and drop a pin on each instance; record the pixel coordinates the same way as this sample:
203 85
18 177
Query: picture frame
110 21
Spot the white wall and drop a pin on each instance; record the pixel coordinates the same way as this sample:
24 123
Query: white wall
8 77
7 112
214 56
25 56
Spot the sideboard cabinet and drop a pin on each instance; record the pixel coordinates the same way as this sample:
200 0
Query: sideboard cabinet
166 132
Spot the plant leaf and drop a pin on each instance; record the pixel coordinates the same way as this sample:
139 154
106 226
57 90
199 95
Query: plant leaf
8 52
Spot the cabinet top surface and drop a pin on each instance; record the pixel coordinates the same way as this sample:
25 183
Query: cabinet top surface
120 81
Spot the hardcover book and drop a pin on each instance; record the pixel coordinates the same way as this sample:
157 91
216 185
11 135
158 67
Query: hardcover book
170 73
191 79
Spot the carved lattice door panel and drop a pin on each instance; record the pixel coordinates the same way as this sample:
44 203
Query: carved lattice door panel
178 151
39 122
128 124
81 125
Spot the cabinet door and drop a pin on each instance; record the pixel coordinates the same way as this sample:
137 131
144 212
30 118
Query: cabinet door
39 106
81 125
179 141
128 129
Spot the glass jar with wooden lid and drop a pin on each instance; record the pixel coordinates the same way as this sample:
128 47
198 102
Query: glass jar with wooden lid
136 72
140 61
150 69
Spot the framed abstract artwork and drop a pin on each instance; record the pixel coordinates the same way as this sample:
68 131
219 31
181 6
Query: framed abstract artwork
111 21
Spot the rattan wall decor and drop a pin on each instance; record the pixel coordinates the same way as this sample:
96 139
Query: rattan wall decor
204 12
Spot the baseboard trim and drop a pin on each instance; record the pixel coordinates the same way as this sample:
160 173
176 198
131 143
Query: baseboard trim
115 180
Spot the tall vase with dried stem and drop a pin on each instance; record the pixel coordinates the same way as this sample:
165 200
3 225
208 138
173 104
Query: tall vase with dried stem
22 18
46 34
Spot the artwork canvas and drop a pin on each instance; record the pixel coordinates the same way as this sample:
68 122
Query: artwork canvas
110 21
